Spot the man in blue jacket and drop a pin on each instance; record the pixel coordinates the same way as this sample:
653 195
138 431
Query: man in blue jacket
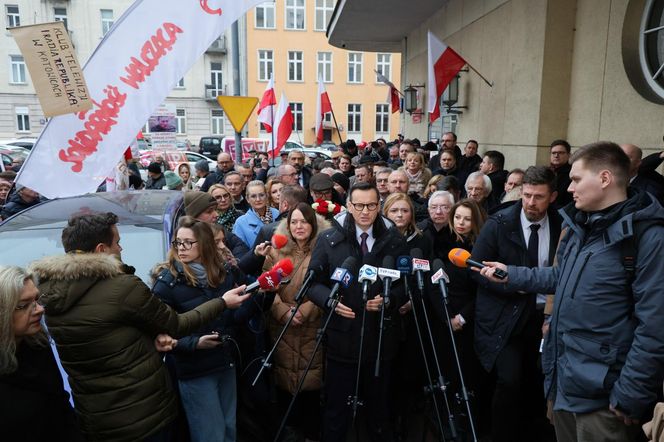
603 357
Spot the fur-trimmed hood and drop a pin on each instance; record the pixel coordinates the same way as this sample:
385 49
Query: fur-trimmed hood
291 245
63 279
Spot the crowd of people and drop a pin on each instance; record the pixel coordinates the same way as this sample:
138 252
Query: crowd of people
566 347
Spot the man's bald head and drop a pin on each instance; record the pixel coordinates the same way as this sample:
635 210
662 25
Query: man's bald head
635 155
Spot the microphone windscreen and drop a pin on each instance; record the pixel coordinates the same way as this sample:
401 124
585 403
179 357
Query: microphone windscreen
279 240
388 262
284 266
417 253
458 257
270 280
350 264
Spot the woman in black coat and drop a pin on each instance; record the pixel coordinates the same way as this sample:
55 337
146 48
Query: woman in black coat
34 405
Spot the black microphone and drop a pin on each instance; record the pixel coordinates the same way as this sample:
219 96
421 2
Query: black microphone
388 274
420 265
308 279
343 276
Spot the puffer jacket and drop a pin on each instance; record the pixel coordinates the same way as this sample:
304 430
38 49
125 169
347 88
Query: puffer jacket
248 225
605 341
104 321
297 344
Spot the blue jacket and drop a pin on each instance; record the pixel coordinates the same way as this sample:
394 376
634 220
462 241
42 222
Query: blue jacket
605 345
248 225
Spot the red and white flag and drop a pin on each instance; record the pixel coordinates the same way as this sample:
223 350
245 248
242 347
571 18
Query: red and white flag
393 94
284 123
444 64
266 107
137 63
323 106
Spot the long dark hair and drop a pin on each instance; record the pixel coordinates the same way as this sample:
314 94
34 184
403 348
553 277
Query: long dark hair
478 219
210 257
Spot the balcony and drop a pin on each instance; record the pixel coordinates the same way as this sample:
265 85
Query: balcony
218 46
212 92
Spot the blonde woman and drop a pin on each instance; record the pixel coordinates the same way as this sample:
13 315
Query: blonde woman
432 185
417 172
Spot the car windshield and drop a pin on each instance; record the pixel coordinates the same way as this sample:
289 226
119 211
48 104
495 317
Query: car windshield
143 246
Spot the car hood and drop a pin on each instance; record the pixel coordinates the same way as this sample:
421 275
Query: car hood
63 280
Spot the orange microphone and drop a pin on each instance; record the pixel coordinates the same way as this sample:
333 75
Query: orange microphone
279 240
461 258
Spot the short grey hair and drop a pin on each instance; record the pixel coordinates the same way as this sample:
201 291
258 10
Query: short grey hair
441 194
383 170
476 175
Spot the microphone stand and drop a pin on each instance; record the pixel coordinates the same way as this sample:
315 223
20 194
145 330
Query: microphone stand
354 401
319 339
299 299
431 389
466 399
380 337
440 384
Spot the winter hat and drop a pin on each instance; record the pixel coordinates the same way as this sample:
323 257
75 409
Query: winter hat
320 182
173 180
154 168
202 165
341 180
196 202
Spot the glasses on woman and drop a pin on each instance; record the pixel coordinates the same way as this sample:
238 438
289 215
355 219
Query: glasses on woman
186 244
256 196
223 196
32 305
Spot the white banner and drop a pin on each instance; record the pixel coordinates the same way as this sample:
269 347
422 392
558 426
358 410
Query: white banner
131 72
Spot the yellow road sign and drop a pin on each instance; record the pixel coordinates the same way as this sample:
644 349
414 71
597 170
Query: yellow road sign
238 109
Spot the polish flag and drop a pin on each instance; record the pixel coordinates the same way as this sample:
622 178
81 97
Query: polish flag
323 106
444 64
266 107
284 123
393 94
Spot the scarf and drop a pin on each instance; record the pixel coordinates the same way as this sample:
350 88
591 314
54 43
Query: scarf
227 218
416 185
198 270
267 218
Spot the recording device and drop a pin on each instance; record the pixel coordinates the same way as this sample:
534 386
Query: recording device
342 276
387 275
420 265
278 240
368 275
461 258
270 280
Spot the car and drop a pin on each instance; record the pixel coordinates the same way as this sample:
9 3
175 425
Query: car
311 152
9 154
328 145
147 220
210 146
174 159
26 142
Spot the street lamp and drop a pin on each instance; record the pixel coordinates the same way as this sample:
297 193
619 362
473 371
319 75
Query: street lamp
410 94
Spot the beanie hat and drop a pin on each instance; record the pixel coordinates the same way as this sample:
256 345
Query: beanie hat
196 202
341 180
202 165
154 168
173 180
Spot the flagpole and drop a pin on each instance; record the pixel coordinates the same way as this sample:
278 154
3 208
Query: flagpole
272 131
478 73
341 140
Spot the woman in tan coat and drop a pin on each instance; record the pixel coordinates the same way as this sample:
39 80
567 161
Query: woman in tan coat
301 227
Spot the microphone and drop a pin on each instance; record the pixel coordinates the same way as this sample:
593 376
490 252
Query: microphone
270 280
404 265
343 277
420 265
439 274
368 275
461 258
388 274
279 240
308 279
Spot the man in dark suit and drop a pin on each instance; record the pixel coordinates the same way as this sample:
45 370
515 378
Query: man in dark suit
644 178
560 152
508 325
296 159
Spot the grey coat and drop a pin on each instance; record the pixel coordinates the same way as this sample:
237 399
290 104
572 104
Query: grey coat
605 344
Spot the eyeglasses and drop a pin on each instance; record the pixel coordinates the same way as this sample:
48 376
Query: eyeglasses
31 304
360 206
382 180
322 193
442 208
222 197
187 245
256 196
559 153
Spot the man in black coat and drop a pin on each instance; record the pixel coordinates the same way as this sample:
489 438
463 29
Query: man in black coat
361 233
492 165
560 152
296 159
642 176
224 165
508 325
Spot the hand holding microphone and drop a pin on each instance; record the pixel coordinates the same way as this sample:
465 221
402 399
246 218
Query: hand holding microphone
278 241
494 271
270 280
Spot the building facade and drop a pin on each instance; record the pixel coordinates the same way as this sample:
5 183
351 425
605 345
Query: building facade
286 39
560 68
198 113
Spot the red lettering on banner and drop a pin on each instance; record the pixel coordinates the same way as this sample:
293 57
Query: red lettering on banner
99 123
208 9
151 52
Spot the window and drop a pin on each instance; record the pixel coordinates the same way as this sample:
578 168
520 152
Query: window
106 20
216 79
296 108
354 118
22 119
217 121
324 9
13 18
295 66
265 15
60 14
382 118
295 14
384 65
354 67
17 69
181 121
265 65
325 66
180 83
